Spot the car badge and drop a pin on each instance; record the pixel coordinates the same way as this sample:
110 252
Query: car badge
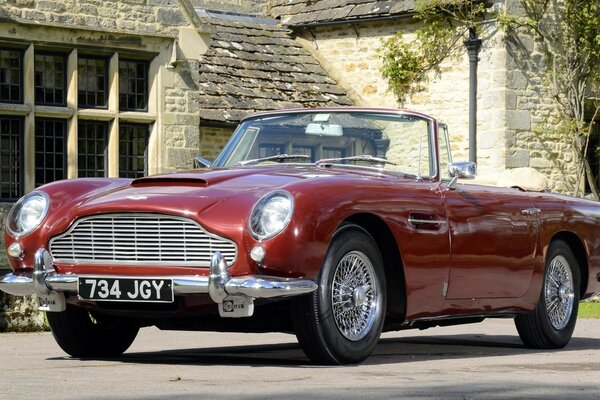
136 197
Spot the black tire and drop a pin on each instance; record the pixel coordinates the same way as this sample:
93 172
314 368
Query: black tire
324 335
551 323
83 334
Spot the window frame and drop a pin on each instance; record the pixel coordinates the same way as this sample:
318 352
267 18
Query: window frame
147 143
105 152
21 99
106 79
64 72
146 84
64 150
20 160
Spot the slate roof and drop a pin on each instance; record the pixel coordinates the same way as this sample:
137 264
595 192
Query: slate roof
253 67
301 12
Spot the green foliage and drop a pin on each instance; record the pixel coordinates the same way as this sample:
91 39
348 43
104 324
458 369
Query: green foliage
407 65
589 309
404 67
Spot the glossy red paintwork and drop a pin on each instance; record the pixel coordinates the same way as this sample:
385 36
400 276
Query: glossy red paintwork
484 257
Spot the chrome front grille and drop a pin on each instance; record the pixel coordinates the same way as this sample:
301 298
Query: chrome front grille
139 239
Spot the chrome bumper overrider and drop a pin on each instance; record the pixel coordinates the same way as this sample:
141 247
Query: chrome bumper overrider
219 284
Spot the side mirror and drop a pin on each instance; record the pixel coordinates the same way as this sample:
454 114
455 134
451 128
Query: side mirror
464 170
200 162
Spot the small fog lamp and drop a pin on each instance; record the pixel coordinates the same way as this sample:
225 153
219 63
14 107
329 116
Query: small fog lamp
15 250
258 254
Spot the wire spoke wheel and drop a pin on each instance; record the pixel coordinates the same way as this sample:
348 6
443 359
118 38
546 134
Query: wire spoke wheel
551 323
354 297
340 323
559 292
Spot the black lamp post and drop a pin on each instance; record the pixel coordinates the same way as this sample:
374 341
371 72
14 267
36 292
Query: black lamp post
473 44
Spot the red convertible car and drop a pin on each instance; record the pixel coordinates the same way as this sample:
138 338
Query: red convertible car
333 224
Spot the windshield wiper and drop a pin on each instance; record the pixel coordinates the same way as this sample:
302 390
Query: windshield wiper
277 157
364 157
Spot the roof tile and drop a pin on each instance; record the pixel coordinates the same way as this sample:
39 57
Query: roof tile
256 67
296 12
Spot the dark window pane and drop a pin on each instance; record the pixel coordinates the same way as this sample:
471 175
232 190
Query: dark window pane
11 160
92 82
133 85
268 150
50 150
50 82
333 152
11 72
133 146
92 141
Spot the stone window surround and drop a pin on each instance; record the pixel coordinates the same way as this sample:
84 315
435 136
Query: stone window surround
72 113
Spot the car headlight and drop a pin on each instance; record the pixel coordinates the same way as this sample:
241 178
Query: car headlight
28 213
271 214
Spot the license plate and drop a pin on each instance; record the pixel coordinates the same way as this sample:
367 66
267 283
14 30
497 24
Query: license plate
126 289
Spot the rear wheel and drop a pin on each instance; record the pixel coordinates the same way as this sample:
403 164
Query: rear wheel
550 325
81 333
342 320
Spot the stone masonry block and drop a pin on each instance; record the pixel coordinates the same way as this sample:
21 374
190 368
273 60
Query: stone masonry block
172 17
517 158
181 158
518 120
540 163
54 6
511 100
192 137
517 80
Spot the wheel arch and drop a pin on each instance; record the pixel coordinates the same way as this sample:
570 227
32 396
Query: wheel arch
578 248
392 262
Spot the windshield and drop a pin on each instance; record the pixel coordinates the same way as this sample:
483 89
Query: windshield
393 141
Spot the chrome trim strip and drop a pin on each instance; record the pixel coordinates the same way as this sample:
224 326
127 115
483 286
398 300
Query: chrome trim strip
179 248
217 284
425 221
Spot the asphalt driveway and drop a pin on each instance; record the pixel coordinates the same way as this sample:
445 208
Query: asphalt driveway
476 361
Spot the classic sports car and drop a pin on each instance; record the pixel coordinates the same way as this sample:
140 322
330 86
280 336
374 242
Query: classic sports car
334 224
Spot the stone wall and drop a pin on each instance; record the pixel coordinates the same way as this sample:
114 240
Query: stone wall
181 119
531 116
127 16
212 140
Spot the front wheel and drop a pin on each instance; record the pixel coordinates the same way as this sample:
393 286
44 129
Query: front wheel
550 325
341 321
81 333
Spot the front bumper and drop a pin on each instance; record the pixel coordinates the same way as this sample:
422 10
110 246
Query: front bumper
220 285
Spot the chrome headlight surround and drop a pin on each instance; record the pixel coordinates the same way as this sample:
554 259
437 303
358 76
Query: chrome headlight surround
271 214
27 214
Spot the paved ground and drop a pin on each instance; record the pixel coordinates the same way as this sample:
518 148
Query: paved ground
477 361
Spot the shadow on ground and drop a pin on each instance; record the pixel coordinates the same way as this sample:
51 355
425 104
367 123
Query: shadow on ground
403 350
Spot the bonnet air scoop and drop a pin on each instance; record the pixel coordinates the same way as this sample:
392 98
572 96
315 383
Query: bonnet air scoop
169 181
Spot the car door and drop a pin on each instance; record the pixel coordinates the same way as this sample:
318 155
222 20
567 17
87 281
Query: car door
493 236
